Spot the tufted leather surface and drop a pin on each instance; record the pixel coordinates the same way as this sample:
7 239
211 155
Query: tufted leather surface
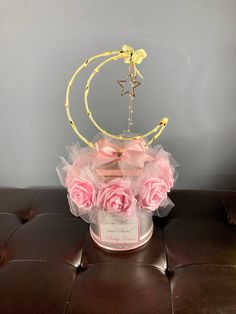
49 264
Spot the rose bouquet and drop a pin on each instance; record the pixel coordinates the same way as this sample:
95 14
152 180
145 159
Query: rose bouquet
118 178
118 182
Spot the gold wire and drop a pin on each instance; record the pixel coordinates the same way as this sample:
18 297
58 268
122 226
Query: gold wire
126 53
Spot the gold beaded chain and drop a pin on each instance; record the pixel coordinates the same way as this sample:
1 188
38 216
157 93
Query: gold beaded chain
130 56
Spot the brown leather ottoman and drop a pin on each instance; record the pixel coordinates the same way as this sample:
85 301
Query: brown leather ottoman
49 264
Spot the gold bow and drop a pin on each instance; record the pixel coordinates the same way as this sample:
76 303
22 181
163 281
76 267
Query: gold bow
134 57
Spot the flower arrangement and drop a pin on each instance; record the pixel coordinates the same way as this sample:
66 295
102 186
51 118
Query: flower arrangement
117 182
118 178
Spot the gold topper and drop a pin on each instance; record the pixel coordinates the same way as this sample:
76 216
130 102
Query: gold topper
131 57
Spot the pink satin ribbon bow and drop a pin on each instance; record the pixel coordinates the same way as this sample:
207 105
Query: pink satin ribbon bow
133 153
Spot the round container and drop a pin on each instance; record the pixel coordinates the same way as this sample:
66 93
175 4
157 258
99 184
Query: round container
115 233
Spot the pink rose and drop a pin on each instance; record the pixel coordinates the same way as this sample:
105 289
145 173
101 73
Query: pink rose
116 196
152 192
82 193
163 169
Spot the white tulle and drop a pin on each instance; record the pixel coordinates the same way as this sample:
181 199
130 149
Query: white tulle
85 162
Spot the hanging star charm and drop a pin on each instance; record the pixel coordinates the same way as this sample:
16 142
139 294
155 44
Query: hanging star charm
133 83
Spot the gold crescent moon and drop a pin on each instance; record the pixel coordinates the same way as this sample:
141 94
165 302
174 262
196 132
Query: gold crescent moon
129 55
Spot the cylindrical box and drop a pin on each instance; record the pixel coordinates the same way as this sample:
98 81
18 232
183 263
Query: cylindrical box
118 233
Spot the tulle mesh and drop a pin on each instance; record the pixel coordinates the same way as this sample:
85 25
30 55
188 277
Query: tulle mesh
123 174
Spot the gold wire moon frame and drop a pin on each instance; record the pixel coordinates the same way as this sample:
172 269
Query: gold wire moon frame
130 56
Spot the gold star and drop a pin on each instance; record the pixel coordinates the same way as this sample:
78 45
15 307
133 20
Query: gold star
133 83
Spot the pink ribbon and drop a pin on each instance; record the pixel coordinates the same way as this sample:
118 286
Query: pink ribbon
132 153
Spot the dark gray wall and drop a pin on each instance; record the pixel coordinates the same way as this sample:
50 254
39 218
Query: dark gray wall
189 75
